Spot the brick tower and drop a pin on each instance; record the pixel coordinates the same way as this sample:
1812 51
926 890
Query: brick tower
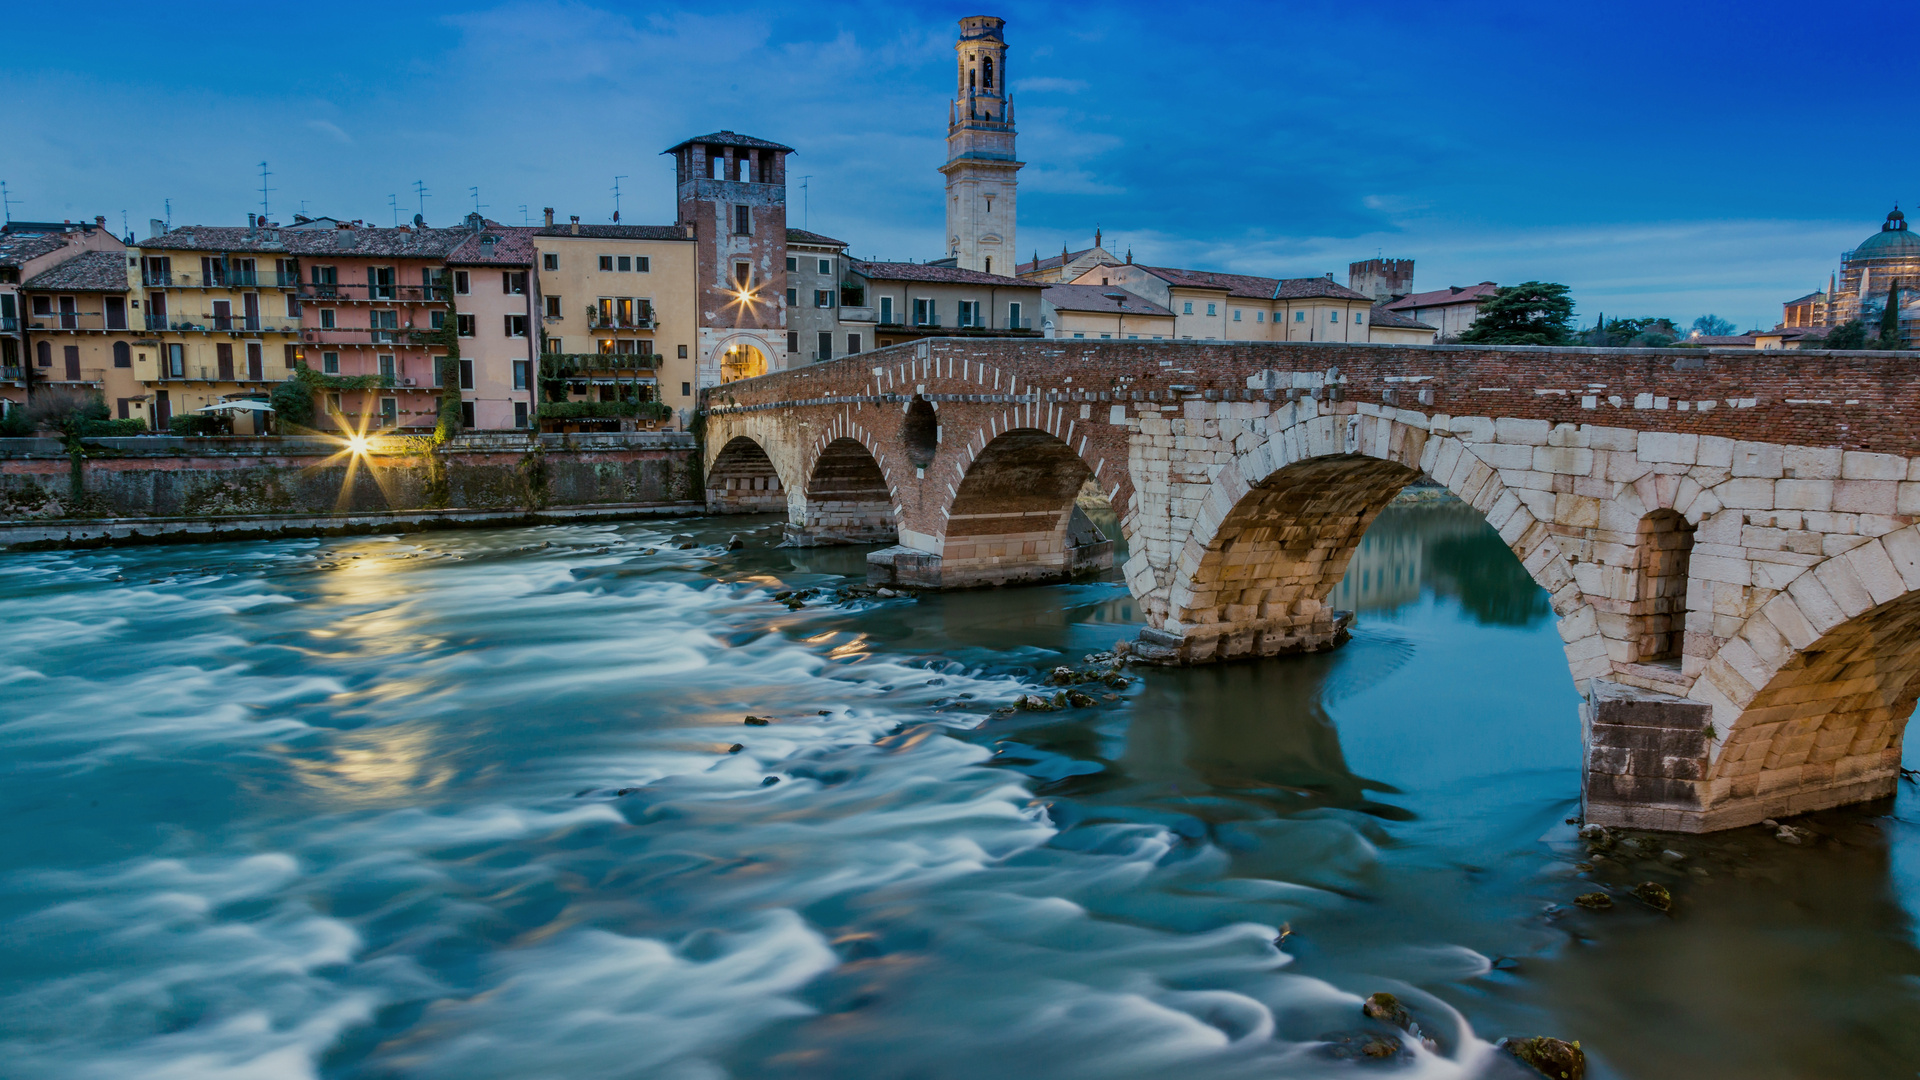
732 192
981 164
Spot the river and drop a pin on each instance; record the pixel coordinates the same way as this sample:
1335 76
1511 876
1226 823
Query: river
483 805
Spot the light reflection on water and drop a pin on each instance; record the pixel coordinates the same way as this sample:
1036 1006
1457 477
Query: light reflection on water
464 805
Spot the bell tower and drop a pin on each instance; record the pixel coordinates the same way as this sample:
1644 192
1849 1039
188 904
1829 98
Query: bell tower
981 164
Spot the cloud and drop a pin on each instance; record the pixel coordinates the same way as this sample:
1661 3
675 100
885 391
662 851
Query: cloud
330 129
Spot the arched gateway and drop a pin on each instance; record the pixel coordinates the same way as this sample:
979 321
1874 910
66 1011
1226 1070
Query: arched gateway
1735 564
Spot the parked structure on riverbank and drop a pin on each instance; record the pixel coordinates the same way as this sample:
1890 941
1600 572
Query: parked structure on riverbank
1733 540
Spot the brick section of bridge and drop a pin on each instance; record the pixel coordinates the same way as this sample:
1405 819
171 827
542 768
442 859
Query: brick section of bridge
1751 512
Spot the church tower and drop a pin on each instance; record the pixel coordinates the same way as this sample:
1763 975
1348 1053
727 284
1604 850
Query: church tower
981 164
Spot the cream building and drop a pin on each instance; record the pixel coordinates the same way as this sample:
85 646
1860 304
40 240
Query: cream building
1068 265
1450 310
981 166
617 311
83 336
1101 313
1209 306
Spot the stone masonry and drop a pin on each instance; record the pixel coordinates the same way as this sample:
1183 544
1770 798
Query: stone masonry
1729 535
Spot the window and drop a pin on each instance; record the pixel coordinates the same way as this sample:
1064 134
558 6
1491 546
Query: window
436 320
886 310
1299 316
969 313
793 341
1236 314
514 282
293 305
1210 310
122 354
389 412
385 324
550 261
793 265
606 263
924 313
743 221
642 264
626 264
1188 308
1259 316
380 282
853 344
333 404
1333 316
462 282
553 307
291 355
686 389
554 344
1013 317
1359 317
116 312
326 318
743 274
1079 335
327 276
463 325
466 374
683 352
989 258
516 325
823 298
43 305
826 267
386 368
522 374
519 414
176 361
793 297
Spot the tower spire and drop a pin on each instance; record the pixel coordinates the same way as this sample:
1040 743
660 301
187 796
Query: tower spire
981 166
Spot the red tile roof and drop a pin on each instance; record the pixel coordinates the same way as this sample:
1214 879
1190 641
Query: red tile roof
496 245
1103 299
618 232
952 275
1396 321
91 271
1254 287
802 236
19 250
1456 294
728 138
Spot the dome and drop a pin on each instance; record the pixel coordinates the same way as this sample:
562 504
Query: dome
1893 241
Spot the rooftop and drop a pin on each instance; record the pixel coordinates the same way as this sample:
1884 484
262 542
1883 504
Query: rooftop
1054 262
952 275
1253 286
728 138
1102 299
617 232
495 244
90 271
18 250
1454 294
802 236
1393 320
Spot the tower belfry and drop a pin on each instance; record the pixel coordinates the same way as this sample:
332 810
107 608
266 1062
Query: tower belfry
981 164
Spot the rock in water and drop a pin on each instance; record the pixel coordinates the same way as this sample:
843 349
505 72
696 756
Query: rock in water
769 781
1654 895
1079 700
1594 901
1549 1056
736 748
734 543
1381 1046
1384 1006
756 721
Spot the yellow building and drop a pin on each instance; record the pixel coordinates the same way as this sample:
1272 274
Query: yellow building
28 249
1103 312
618 322
80 332
221 310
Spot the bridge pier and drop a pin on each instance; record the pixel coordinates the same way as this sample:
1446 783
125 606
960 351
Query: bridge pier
1317 631
1016 557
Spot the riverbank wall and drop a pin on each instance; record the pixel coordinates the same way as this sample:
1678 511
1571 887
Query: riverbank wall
140 490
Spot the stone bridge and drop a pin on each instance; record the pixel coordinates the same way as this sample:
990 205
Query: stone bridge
1728 538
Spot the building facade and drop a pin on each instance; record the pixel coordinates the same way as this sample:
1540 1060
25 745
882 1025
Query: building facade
618 319
732 192
982 168
83 337
28 249
825 318
1068 265
1102 313
1208 306
1886 261
1385 280
1450 310
916 300
497 326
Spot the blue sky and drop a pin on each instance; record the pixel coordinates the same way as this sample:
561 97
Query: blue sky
1662 159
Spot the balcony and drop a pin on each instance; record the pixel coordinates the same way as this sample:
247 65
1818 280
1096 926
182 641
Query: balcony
12 373
640 320
221 278
858 314
58 375
564 365
358 293
208 324
8 324
83 322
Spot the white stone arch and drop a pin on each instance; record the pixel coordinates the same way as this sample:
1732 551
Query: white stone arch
763 432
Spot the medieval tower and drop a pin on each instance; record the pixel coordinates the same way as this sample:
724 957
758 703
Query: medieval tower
981 164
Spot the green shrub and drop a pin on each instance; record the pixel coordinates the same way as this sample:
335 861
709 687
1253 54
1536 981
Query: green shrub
292 403
197 424
15 425
113 429
576 410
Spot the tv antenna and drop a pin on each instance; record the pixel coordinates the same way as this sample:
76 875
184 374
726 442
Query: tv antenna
263 190
805 199
616 198
393 201
6 200
524 219
420 189
477 204
169 203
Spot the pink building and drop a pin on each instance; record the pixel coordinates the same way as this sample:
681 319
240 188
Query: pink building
493 301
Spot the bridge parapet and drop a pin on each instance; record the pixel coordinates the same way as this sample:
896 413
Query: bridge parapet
1732 530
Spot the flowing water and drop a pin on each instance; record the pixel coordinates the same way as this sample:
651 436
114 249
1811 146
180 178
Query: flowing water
468 805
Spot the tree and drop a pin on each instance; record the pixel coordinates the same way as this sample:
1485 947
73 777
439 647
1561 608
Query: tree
1851 334
1890 319
1530 313
1713 326
292 406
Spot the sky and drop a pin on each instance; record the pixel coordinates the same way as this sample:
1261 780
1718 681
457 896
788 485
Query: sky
1661 159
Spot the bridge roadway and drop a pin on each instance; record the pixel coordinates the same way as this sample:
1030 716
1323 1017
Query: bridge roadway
1728 537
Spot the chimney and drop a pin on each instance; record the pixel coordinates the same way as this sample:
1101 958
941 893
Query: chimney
100 220
252 221
576 224
549 217
155 227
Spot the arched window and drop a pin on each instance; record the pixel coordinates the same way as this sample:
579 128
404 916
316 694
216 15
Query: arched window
987 80
122 354
970 77
1663 548
45 351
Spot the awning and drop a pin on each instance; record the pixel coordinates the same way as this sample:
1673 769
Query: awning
221 406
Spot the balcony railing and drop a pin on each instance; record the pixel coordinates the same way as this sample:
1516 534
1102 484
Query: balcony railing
361 293
12 373
207 324
58 374
555 365
229 278
85 321
642 320
8 324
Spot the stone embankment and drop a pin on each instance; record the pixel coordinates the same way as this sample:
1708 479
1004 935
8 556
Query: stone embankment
139 490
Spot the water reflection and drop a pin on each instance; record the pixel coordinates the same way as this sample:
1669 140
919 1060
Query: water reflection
1445 547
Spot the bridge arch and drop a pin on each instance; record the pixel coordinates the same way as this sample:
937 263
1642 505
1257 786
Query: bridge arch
1014 514
742 479
848 498
1283 518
